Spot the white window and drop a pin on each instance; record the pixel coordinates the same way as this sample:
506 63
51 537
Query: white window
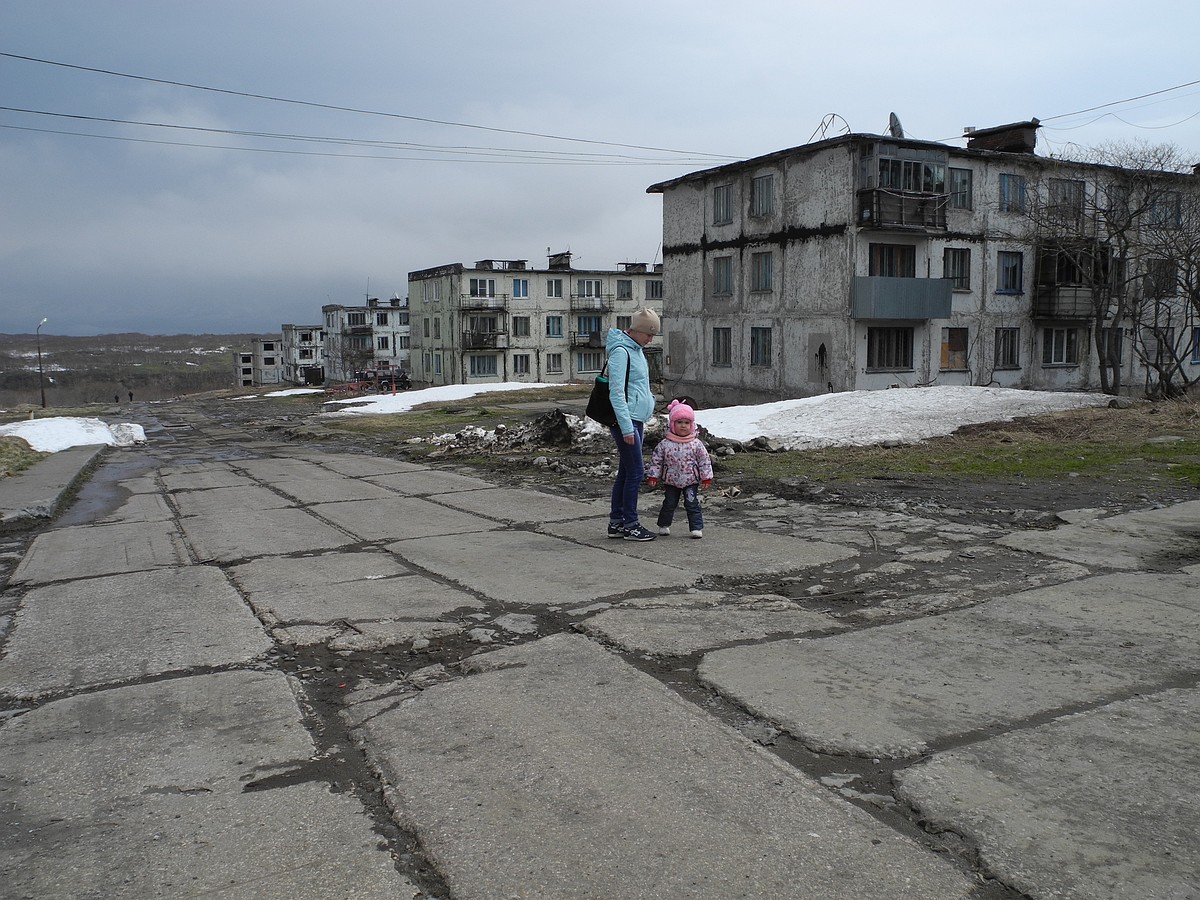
554 363
590 361
1060 347
624 289
431 290
381 343
483 366
654 289
554 326
589 287
483 287
521 364
554 287
381 319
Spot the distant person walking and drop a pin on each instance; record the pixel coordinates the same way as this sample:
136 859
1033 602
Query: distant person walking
116 398
633 403
682 462
131 396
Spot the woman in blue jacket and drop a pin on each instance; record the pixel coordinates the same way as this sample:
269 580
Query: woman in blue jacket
632 401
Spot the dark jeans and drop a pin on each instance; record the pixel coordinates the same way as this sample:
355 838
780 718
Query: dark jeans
691 503
630 470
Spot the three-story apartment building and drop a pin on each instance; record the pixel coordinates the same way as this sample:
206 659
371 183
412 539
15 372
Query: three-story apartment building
871 261
370 338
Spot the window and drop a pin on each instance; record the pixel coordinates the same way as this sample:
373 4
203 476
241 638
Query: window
960 189
554 287
1012 193
402 318
590 361
956 265
483 324
893 261
624 289
358 342
554 326
1008 353
381 319
589 324
954 349
521 364
760 346
1060 347
483 287
722 347
520 326
1010 275
554 363
520 288
624 323
911 175
437 328
1066 199
1159 344
1165 210
402 342
589 287
306 353
425 326
762 195
431 290
381 343
306 337
1111 345
889 348
723 275
1196 343
762 272
268 345
722 204
437 364
654 289
357 319
483 366
1162 277
247 371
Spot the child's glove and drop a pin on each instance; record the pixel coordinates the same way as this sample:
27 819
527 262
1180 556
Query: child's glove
706 484
653 482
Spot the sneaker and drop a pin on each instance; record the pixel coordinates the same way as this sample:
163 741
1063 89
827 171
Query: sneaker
636 532
616 530
697 533
664 530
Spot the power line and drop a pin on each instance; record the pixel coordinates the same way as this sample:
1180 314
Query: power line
1080 112
350 109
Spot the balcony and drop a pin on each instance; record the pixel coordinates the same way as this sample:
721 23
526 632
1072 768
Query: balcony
593 339
485 340
900 210
1063 301
601 304
499 302
877 297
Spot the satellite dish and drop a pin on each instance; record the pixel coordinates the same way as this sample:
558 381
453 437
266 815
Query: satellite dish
895 129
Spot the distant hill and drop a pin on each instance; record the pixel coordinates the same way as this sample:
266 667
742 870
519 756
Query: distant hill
80 370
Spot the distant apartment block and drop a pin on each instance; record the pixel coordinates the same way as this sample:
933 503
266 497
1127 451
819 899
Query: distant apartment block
261 365
500 320
373 337
302 347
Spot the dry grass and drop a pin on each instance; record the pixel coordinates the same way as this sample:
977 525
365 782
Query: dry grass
15 455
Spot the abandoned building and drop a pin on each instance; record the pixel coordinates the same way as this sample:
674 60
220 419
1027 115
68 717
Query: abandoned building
501 320
873 261
373 338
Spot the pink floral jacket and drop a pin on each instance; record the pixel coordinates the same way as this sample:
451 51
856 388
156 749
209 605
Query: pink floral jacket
681 463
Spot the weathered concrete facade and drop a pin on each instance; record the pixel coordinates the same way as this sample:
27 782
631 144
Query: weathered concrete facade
500 320
867 262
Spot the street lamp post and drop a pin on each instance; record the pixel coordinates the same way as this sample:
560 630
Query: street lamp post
41 378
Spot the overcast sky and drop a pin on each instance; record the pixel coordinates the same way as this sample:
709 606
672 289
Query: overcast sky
153 233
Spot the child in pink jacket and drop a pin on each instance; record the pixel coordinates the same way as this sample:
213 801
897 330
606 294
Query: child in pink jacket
682 463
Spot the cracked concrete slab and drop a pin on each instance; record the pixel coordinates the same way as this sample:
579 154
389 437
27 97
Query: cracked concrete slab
101 630
529 568
733 552
556 770
316 570
402 597
895 690
1152 538
1100 804
205 477
521 506
217 502
101 550
419 482
141 508
327 488
359 465
398 518
243 533
141 791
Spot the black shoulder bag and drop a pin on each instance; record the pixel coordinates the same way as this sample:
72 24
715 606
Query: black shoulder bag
599 407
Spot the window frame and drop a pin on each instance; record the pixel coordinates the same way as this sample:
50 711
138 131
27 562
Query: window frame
722 276
1011 193
521 364
722 347
589 361
722 204
477 361
624 288
956 267
1067 349
762 271
554 326
520 288
890 348
761 349
762 195
554 288
961 183
554 364
892 260
1006 348
1006 283
654 289
955 349
520 326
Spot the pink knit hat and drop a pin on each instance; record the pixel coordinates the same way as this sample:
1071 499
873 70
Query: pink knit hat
677 409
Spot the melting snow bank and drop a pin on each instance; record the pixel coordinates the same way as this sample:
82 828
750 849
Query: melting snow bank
403 401
61 432
863 418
